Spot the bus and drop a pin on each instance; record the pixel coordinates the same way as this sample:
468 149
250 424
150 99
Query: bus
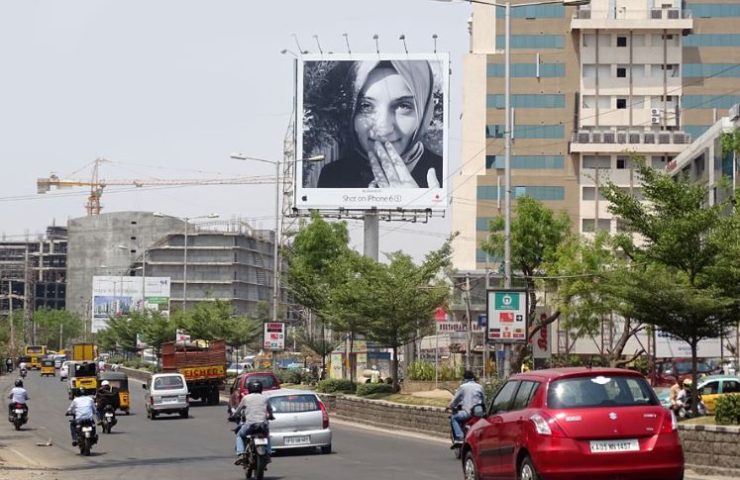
35 353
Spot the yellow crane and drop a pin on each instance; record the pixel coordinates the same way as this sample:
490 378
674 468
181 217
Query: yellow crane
96 184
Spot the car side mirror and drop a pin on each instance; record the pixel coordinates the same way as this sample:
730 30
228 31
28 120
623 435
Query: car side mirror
144 386
478 411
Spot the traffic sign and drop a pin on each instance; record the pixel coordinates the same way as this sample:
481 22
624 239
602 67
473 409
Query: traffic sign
274 339
507 316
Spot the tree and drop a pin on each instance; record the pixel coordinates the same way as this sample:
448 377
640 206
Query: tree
206 320
318 340
678 250
536 234
120 332
243 330
53 324
401 297
157 329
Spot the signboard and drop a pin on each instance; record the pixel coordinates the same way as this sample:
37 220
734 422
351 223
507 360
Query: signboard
120 295
542 342
181 337
379 125
274 336
668 346
507 316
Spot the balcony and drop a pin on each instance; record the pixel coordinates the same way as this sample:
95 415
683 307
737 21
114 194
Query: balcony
654 18
586 141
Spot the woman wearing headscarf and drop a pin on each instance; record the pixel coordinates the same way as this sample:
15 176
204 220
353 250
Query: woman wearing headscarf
393 106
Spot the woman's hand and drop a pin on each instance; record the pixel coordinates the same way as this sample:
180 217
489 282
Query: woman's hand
390 171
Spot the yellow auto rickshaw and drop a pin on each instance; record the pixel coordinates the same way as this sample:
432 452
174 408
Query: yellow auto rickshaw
118 382
82 375
47 367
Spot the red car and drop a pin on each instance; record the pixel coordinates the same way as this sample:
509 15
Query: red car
239 388
574 423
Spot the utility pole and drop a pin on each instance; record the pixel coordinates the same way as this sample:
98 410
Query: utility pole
469 348
10 316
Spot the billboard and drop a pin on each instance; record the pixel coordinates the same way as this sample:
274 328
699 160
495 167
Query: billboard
507 316
378 125
120 295
274 339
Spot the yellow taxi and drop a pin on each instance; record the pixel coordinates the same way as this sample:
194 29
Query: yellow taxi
714 386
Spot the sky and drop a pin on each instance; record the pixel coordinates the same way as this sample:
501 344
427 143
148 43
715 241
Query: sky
170 88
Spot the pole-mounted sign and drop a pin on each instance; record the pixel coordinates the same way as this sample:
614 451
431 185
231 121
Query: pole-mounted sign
507 316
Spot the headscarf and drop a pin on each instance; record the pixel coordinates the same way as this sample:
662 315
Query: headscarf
419 78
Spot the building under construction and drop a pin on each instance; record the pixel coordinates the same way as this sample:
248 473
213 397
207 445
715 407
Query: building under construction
33 273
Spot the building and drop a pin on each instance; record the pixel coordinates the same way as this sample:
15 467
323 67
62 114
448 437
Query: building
225 259
34 272
591 87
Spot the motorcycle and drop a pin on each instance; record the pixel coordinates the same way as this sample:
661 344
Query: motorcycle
256 456
23 372
108 419
456 447
86 436
18 415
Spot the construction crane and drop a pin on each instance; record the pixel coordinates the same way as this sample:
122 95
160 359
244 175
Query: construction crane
97 185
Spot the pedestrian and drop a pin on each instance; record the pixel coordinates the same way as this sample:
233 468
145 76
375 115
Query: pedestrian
9 364
384 143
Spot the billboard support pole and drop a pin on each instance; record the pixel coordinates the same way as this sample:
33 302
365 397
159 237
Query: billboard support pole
372 234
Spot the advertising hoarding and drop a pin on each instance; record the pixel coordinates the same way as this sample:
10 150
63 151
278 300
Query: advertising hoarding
121 295
380 122
507 316
274 339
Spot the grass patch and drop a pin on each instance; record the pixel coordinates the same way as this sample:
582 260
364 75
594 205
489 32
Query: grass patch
408 399
705 420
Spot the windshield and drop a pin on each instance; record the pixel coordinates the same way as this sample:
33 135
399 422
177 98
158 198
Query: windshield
85 370
294 404
684 367
267 381
600 391
173 382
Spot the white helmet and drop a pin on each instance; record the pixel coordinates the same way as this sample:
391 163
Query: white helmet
104 383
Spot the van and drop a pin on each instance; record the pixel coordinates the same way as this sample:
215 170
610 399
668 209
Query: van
166 393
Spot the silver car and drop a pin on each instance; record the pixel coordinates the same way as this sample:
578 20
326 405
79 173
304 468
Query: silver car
301 420
166 393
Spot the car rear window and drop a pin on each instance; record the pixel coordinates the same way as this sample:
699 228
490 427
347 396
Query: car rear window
600 391
168 383
294 404
267 381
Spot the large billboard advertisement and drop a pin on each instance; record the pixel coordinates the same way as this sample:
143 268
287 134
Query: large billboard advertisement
113 296
372 132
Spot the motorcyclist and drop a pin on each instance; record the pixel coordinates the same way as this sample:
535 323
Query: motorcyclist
18 395
22 367
9 364
106 395
256 411
82 408
466 397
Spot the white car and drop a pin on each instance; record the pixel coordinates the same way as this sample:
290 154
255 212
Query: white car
64 370
301 420
166 393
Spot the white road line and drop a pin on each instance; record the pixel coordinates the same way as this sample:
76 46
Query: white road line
30 462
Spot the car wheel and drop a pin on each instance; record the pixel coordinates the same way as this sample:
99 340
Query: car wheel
527 471
326 449
470 469
152 415
184 413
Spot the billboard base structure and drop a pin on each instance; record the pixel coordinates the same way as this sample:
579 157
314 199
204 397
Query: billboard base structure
385 215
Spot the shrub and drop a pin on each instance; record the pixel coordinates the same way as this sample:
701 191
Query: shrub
420 371
332 385
291 376
373 388
728 410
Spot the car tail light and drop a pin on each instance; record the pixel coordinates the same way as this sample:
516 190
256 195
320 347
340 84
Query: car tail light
546 425
324 416
670 423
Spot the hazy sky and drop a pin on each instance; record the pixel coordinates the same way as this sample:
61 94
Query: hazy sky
169 88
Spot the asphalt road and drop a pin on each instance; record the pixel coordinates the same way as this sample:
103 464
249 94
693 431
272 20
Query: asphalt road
199 447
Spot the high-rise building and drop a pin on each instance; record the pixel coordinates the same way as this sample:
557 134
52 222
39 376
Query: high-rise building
592 86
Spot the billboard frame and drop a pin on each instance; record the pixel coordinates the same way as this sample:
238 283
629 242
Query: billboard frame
391 204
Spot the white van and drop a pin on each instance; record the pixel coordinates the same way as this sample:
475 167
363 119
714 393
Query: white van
166 393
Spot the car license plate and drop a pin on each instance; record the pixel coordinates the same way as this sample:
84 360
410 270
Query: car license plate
260 441
302 440
169 399
609 446
19 411
108 415
87 429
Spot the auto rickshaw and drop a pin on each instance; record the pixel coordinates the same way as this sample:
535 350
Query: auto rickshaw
47 367
82 375
118 381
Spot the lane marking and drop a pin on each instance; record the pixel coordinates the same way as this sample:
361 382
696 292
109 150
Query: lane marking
30 462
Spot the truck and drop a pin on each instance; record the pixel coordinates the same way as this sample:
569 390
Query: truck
84 352
202 363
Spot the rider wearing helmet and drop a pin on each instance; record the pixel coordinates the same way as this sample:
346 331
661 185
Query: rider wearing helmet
18 395
255 409
82 408
106 395
466 397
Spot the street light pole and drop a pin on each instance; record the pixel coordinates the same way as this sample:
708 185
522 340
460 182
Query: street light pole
185 266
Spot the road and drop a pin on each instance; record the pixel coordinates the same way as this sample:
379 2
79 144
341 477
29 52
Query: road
200 447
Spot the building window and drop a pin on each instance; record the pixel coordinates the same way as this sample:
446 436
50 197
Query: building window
720 70
528 70
534 11
527 101
621 72
593 161
587 225
638 40
621 103
527 161
589 194
712 40
622 163
528 131
712 10
621 41
133 238
532 41
709 101
540 193
482 223
486 192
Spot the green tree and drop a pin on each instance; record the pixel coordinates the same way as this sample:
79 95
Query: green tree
536 234
207 320
678 250
157 329
243 330
120 332
51 324
400 299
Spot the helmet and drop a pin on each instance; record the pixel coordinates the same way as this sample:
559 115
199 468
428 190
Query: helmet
105 383
18 382
468 375
687 382
254 386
